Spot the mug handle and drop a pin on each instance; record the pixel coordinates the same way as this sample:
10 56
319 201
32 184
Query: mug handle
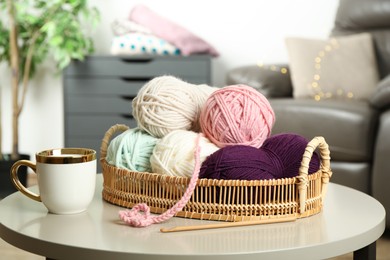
18 184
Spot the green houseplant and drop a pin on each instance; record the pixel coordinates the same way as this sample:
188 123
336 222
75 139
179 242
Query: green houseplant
30 32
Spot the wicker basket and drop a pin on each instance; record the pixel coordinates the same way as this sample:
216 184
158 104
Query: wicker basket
224 200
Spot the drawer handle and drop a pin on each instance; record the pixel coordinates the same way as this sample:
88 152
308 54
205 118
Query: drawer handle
127 116
136 79
137 60
127 97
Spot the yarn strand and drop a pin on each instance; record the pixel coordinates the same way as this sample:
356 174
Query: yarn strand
136 218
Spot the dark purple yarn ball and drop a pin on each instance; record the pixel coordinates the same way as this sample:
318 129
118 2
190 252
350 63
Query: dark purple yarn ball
241 162
280 156
290 147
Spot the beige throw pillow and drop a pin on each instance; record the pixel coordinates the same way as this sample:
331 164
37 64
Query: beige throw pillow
340 67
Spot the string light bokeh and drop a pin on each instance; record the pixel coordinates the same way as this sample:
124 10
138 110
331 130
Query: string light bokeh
330 48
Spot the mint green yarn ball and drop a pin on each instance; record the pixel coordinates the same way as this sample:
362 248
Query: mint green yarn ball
131 150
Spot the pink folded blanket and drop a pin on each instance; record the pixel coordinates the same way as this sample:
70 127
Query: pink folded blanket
187 42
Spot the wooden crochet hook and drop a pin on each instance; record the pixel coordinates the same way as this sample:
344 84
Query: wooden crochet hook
228 224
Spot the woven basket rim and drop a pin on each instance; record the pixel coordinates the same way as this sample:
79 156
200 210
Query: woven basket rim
207 181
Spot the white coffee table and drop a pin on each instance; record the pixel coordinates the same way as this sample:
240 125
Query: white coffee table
350 221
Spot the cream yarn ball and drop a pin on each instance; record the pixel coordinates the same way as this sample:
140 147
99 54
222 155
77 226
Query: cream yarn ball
174 154
166 103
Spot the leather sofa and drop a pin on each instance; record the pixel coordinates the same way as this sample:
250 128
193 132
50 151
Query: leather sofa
358 132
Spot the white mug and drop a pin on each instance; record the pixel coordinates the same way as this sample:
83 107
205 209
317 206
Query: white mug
66 179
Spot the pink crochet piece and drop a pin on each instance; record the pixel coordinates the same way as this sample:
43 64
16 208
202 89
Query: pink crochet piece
186 41
135 218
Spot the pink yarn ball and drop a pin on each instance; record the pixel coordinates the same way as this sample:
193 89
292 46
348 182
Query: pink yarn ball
237 114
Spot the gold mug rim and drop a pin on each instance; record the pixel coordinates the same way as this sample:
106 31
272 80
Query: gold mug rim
65 155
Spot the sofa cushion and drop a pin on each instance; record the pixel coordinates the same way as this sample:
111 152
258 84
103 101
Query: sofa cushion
271 82
140 43
357 15
355 175
340 67
347 126
380 169
381 97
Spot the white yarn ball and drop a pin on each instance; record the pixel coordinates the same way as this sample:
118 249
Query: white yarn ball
166 104
174 154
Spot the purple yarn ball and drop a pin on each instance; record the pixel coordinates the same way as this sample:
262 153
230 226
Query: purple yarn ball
289 148
279 157
241 162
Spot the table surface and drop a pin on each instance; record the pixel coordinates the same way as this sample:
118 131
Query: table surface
350 220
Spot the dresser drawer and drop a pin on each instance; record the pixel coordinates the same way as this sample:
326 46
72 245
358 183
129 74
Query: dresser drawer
102 86
92 143
86 142
101 105
93 125
142 67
